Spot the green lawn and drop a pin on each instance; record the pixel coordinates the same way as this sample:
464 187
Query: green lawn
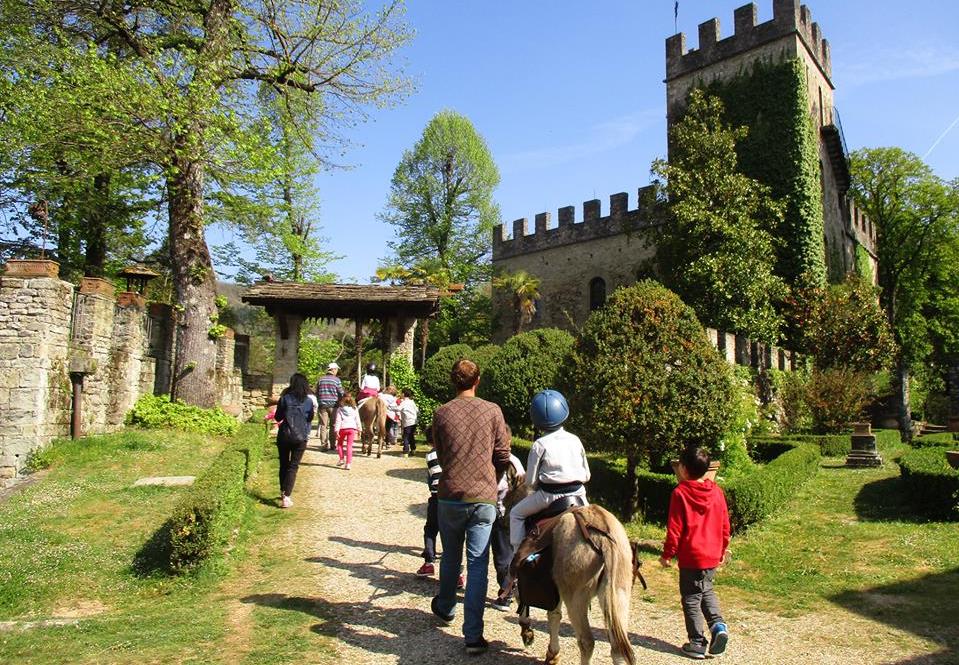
68 545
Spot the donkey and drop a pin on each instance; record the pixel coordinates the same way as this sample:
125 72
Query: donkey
592 557
373 414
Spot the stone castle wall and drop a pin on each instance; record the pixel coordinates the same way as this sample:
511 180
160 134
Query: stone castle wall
50 331
569 256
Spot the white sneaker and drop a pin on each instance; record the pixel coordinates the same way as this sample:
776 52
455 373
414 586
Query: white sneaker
340 463
287 502
347 467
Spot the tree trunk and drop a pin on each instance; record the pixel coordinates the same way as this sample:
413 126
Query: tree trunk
94 264
358 346
632 489
424 340
902 399
193 279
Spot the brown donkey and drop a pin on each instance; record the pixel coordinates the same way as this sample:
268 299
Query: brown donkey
373 414
592 557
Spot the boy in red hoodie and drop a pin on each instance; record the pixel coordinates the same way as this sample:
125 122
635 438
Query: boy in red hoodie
697 534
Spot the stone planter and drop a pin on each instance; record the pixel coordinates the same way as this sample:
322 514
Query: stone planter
952 424
952 456
97 286
29 268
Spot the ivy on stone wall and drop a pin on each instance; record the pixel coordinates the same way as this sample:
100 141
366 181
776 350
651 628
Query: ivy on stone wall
782 151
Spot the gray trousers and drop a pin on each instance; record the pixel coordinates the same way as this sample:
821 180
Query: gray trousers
699 600
324 416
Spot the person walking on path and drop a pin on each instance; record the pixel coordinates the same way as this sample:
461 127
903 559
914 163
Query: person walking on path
499 539
347 425
409 413
329 390
295 411
697 533
473 446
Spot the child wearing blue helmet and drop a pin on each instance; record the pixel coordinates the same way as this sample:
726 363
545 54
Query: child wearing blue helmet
556 466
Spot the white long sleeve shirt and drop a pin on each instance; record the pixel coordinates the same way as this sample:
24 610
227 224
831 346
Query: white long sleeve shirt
408 411
347 417
555 458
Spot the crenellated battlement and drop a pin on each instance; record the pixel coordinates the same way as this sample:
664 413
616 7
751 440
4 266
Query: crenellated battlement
860 226
789 17
568 231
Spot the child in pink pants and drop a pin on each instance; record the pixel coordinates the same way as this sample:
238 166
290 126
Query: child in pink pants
346 425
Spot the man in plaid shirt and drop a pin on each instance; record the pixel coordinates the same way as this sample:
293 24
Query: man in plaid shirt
329 390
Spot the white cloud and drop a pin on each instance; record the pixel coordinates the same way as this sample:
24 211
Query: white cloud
599 138
873 67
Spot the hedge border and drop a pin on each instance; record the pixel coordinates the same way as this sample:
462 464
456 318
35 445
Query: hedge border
931 484
203 519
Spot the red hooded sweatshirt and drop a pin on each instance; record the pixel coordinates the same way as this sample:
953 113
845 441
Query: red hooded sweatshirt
697 530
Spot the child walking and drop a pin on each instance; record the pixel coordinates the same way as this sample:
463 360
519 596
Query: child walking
346 426
432 527
409 413
556 466
697 534
499 536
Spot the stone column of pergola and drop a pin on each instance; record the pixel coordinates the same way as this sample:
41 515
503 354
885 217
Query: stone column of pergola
291 303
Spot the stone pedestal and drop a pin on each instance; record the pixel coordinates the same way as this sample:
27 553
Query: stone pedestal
863 453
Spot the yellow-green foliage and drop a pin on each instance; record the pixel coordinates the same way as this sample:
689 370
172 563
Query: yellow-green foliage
204 518
158 412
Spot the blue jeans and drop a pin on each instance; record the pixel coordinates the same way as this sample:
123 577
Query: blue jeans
472 523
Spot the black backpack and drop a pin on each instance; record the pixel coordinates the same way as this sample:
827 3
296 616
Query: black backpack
295 428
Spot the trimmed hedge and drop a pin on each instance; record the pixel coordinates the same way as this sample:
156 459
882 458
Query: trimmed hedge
937 440
206 515
830 445
766 449
931 483
755 496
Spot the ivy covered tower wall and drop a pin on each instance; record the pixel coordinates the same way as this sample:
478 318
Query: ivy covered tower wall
775 78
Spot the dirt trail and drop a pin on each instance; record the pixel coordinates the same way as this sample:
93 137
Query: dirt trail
363 545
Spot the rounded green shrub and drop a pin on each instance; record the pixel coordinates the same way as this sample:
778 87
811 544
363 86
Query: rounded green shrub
157 411
484 355
644 380
435 377
526 363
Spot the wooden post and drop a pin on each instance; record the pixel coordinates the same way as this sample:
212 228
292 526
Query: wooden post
358 342
387 334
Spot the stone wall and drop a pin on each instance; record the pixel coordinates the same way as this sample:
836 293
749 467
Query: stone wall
34 382
50 331
256 392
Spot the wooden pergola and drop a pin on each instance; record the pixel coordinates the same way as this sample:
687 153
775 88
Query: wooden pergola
291 303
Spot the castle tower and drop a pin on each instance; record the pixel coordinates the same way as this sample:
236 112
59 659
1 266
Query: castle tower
776 78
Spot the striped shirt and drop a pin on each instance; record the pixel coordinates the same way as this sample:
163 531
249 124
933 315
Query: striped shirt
329 390
433 471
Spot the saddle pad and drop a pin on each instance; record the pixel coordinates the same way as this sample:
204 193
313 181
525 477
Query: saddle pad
535 582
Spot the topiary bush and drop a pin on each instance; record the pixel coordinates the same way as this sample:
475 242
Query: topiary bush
766 449
931 484
938 439
526 363
753 497
204 518
158 412
644 381
435 377
483 355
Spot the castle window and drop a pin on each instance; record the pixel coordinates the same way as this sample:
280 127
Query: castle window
597 293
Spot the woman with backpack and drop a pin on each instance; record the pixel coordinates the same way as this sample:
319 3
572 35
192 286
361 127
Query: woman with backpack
294 411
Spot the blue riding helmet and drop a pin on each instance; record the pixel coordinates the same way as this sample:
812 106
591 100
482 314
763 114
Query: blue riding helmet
548 410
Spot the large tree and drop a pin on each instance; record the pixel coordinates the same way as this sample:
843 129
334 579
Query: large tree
196 68
441 200
917 220
714 249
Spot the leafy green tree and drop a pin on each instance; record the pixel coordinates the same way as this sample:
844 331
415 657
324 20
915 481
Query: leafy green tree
278 217
441 200
714 249
179 81
526 363
644 381
917 220
523 290
435 377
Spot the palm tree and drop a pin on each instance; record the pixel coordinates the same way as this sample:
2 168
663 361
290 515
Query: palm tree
524 289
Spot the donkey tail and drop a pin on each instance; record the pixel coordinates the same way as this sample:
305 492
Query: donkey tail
617 586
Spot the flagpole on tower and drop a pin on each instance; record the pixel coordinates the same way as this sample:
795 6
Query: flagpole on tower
676 17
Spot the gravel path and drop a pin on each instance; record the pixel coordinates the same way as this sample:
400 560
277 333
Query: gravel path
367 537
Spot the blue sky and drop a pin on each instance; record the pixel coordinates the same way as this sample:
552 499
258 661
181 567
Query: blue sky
570 99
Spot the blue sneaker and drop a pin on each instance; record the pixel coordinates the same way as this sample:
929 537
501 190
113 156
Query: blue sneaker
720 637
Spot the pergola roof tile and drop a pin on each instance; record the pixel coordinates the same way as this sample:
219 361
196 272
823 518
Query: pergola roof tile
345 300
